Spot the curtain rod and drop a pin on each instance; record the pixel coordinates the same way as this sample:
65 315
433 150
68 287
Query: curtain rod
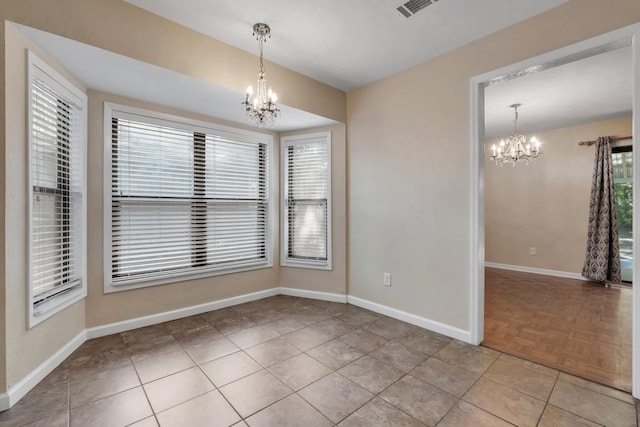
618 138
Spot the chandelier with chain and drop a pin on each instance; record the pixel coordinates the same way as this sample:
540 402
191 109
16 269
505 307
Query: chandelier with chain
262 108
515 148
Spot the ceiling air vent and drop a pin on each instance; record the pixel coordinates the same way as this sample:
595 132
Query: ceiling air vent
404 11
412 7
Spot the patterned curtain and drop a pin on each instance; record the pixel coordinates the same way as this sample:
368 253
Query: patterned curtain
602 262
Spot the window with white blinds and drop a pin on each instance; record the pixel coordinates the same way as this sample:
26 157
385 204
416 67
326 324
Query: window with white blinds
306 231
57 119
184 199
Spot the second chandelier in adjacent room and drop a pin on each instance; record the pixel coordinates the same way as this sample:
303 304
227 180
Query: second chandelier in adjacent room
515 148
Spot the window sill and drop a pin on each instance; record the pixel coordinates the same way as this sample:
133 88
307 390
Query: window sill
326 265
109 287
56 304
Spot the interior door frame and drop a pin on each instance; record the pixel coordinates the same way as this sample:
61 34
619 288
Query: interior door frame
626 36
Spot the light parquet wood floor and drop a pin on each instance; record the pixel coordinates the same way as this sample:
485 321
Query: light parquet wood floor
578 327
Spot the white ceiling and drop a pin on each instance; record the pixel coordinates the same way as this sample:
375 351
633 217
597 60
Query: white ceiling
109 72
591 89
348 43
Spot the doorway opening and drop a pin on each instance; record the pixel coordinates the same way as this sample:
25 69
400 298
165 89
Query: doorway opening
629 36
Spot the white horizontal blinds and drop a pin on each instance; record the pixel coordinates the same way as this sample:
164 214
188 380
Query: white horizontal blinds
151 189
56 180
236 193
183 201
307 188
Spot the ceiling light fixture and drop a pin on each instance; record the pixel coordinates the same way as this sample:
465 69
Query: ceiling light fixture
515 148
263 108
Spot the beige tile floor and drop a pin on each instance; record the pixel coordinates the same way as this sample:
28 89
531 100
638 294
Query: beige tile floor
287 361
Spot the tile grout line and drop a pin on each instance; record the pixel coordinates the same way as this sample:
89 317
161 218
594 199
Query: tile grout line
461 398
363 326
265 368
573 413
375 395
296 392
547 402
215 387
153 412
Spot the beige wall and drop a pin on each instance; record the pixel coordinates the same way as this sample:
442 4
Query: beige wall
407 157
118 27
408 163
108 308
546 204
25 348
335 280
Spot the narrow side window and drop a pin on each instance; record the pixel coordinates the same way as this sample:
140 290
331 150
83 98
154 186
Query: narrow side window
306 231
57 146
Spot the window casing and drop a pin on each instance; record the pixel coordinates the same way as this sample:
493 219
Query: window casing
306 201
57 180
183 199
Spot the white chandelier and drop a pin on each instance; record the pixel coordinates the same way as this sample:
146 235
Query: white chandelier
263 108
515 148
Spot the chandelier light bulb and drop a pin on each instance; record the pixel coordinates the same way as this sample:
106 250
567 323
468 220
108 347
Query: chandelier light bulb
250 90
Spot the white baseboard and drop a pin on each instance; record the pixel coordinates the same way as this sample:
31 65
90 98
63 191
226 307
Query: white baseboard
167 316
17 392
153 319
523 269
4 401
324 296
423 322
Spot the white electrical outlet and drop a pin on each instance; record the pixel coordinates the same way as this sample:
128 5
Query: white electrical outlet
532 250
386 279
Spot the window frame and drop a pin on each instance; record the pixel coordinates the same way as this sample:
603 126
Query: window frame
619 147
285 260
67 91
195 126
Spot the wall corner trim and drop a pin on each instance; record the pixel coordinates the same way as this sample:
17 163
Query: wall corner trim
324 296
422 322
24 386
523 269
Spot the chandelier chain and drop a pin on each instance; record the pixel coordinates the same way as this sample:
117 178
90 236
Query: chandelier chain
261 108
261 40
